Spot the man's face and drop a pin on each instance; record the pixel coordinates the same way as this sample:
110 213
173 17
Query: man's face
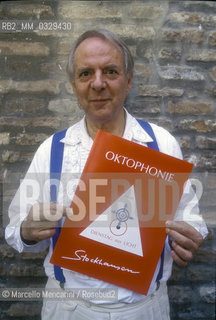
100 82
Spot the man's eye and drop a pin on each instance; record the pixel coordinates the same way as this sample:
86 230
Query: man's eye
111 71
84 74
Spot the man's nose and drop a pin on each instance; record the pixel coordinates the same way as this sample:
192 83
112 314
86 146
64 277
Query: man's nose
98 81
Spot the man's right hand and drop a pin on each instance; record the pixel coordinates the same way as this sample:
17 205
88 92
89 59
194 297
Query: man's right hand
42 220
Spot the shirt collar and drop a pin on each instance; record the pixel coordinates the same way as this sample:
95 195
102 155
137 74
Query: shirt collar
78 133
134 132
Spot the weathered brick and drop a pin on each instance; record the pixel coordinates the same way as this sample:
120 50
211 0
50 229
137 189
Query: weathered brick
209 198
4 138
47 122
180 294
33 255
206 161
184 17
188 36
191 93
197 125
56 69
169 54
190 107
30 270
148 12
140 108
195 273
50 122
213 73
64 106
202 6
12 180
134 31
214 91
2 271
145 52
212 39
75 10
15 68
6 251
64 46
29 10
195 311
23 48
24 310
142 70
178 274
207 294
26 139
26 156
50 86
180 73
193 19
205 254
1 233
161 121
201 55
203 142
23 105
184 142
211 181
155 91
68 88
211 234
209 217
9 156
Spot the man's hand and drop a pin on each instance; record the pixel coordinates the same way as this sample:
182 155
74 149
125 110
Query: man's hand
42 220
186 241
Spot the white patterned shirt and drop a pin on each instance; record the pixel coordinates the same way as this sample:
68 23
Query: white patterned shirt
77 145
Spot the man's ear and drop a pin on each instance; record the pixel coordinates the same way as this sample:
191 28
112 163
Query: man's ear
130 82
73 86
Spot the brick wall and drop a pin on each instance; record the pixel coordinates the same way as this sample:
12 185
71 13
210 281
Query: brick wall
173 43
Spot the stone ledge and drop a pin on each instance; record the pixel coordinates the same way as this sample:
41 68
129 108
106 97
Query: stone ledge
50 122
50 86
35 10
24 48
190 107
180 73
155 91
201 55
88 10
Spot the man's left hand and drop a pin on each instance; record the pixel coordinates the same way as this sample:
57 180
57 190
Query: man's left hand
185 241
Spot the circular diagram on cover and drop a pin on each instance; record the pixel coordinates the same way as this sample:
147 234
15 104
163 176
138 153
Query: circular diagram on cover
118 226
116 229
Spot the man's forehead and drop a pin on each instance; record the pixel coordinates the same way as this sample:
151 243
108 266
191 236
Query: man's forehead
96 45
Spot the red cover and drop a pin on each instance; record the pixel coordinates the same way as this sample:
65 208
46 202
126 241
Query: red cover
125 195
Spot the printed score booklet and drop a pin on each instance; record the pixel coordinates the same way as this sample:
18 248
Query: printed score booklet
125 195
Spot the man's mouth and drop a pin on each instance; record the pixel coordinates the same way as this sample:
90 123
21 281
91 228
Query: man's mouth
99 101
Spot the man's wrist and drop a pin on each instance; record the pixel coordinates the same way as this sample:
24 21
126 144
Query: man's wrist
27 242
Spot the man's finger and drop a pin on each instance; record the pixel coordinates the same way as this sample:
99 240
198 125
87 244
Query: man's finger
178 260
186 230
44 234
183 254
47 212
183 241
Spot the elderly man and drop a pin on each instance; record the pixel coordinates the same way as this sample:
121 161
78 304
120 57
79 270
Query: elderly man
101 72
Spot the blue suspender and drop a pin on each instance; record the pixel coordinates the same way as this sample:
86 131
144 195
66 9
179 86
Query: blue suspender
56 157
147 127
